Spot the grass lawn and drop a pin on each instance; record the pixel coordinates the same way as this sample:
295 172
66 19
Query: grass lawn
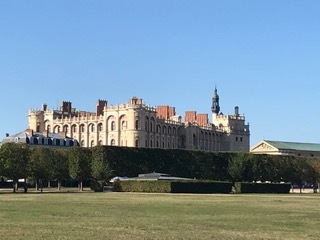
158 216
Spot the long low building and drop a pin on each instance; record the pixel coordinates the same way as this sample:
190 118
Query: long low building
297 149
34 139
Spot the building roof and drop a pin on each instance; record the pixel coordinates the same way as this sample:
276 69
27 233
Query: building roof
27 136
295 145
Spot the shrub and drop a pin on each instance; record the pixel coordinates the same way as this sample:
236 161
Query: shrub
243 187
164 186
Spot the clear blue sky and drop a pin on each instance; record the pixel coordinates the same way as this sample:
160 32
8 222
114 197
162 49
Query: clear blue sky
264 56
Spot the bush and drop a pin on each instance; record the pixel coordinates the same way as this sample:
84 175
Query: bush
96 185
164 186
242 187
142 186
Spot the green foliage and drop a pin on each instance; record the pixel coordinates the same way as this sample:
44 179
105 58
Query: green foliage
142 186
60 165
100 169
15 161
42 163
96 185
166 186
244 187
79 163
240 167
200 187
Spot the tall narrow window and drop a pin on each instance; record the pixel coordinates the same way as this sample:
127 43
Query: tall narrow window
137 143
113 126
137 125
113 142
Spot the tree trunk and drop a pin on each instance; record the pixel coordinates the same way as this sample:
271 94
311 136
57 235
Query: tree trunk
37 185
81 186
59 185
25 186
41 185
49 183
14 185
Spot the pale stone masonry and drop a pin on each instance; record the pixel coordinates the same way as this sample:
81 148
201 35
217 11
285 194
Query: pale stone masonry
134 124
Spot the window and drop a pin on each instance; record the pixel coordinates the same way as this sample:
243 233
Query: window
92 128
158 129
74 128
113 126
82 143
82 128
65 128
236 139
137 143
147 124
113 142
100 143
240 139
123 125
92 143
164 129
100 128
137 125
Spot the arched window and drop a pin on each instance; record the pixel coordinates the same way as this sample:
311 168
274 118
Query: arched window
113 142
56 129
100 127
113 126
48 128
169 130
65 128
152 124
147 124
82 128
82 143
92 128
123 125
73 128
158 128
164 129
92 143
137 124
157 143
174 131
137 143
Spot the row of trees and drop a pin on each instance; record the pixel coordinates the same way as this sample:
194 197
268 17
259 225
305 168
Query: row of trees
18 161
99 163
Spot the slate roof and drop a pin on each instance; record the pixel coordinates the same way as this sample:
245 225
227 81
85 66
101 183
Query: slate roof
315 147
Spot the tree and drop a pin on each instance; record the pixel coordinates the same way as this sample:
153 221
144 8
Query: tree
314 172
100 169
240 167
15 162
79 164
42 162
60 166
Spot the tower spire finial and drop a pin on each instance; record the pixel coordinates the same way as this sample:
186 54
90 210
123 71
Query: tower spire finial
215 102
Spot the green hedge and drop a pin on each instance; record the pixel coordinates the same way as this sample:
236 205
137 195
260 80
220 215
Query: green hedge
96 185
201 187
142 186
244 187
164 186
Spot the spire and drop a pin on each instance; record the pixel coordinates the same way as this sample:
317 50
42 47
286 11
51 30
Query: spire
215 102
